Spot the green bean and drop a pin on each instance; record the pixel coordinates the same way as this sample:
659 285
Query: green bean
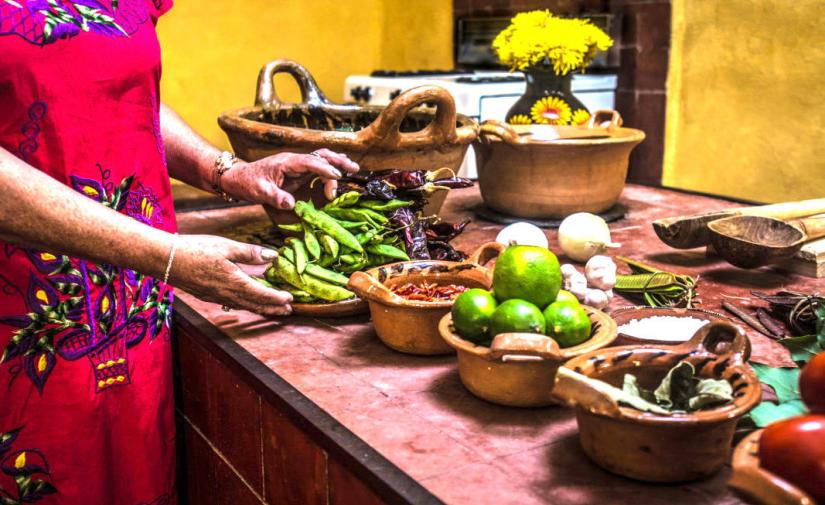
389 251
367 215
326 261
329 244
366 237
348 199
379 206
300 252
327 275
316 287
358 265
311 242
271 275
326 224
348 259
297 227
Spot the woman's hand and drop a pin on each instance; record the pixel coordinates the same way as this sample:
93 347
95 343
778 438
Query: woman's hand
272 179
207 267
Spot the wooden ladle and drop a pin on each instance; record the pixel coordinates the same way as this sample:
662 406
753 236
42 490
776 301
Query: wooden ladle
753 241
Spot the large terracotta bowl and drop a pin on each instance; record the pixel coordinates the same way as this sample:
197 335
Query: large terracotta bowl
411 326
665 448
519 369
520 174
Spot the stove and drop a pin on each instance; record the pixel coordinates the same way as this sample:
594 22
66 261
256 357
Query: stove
479 94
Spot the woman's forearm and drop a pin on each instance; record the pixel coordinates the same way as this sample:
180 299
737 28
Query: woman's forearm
39 212
191 158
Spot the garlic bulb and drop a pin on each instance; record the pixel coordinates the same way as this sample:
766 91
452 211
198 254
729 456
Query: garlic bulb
584 235
596 298
576 283
600 272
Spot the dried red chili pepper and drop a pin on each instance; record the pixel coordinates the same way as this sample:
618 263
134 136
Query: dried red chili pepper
428 292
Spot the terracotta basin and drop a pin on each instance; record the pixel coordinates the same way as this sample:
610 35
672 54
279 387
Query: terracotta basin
519 369
758 484
662 448
521 174
411 326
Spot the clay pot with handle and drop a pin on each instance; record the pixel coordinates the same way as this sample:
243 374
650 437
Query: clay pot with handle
657 447
411 326
550 172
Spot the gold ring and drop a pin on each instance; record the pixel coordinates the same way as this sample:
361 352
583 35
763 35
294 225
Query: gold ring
226 308
315 153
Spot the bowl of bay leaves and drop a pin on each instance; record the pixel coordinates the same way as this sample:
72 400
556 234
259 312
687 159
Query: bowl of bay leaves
662 413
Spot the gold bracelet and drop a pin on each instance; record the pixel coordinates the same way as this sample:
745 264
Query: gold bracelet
223 163
171 259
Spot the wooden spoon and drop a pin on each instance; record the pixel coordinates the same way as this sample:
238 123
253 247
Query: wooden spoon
753 241
687 232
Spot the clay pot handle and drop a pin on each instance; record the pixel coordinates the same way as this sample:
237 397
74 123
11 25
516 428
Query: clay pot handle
500 129
604 115
266 95
720 338
525 347
576 389
368 287
485 253
385 130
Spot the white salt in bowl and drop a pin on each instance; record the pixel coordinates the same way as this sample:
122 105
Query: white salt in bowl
660 325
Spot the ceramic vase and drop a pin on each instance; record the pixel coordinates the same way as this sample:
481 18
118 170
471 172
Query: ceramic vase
547 99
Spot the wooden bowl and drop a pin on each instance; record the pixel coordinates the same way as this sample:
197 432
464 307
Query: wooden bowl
758 484
401 135
411 326
520 175
519 369
624 315
661 448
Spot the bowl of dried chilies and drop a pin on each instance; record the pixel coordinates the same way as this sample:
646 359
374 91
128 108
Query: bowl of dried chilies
408 299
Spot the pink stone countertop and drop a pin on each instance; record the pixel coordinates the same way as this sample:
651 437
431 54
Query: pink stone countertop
415 411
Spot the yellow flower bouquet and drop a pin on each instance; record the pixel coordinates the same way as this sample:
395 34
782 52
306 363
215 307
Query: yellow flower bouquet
536 36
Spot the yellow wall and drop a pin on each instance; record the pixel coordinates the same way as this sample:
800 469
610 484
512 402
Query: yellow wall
746 99
212 50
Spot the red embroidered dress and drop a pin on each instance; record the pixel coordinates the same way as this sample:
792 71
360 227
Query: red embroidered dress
85 378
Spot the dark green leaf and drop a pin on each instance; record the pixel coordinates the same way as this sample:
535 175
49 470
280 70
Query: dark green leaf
676 388
802 348
767 412
784 380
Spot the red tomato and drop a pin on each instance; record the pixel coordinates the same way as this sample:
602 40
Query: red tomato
812 383
794 449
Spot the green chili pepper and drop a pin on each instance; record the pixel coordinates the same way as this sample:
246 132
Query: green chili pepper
300 252
271 275
326 261
287 271
389 251
329 245
297 227
298 295
364 238
361 263
352 225
348 259
348 199
327 275
311 242
326 224
379 206
367 215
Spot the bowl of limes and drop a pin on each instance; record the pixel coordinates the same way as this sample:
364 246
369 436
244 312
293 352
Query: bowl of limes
511 340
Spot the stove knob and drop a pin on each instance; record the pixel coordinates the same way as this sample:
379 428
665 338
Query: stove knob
361 93
395 94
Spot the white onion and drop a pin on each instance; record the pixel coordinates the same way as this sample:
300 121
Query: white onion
584 235
523 234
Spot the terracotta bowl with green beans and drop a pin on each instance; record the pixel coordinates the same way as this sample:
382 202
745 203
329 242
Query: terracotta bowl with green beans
411 326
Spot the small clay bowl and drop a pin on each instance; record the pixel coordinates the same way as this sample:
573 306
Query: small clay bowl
624 315
756 483
665 448
411 326
519 369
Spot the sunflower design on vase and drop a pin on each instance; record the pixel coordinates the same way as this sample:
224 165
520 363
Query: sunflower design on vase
520 119
548 49
579 117
550 110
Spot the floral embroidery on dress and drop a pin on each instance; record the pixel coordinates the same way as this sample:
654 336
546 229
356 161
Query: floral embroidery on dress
25 466
47 21
78 309
31 130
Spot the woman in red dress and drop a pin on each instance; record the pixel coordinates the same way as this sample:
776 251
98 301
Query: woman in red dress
88 228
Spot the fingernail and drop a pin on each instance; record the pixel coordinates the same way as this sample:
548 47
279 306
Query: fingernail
336 172
269 254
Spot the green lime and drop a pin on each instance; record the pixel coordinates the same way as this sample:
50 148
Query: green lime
567 323
516 316
471 311
566 296
528 273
